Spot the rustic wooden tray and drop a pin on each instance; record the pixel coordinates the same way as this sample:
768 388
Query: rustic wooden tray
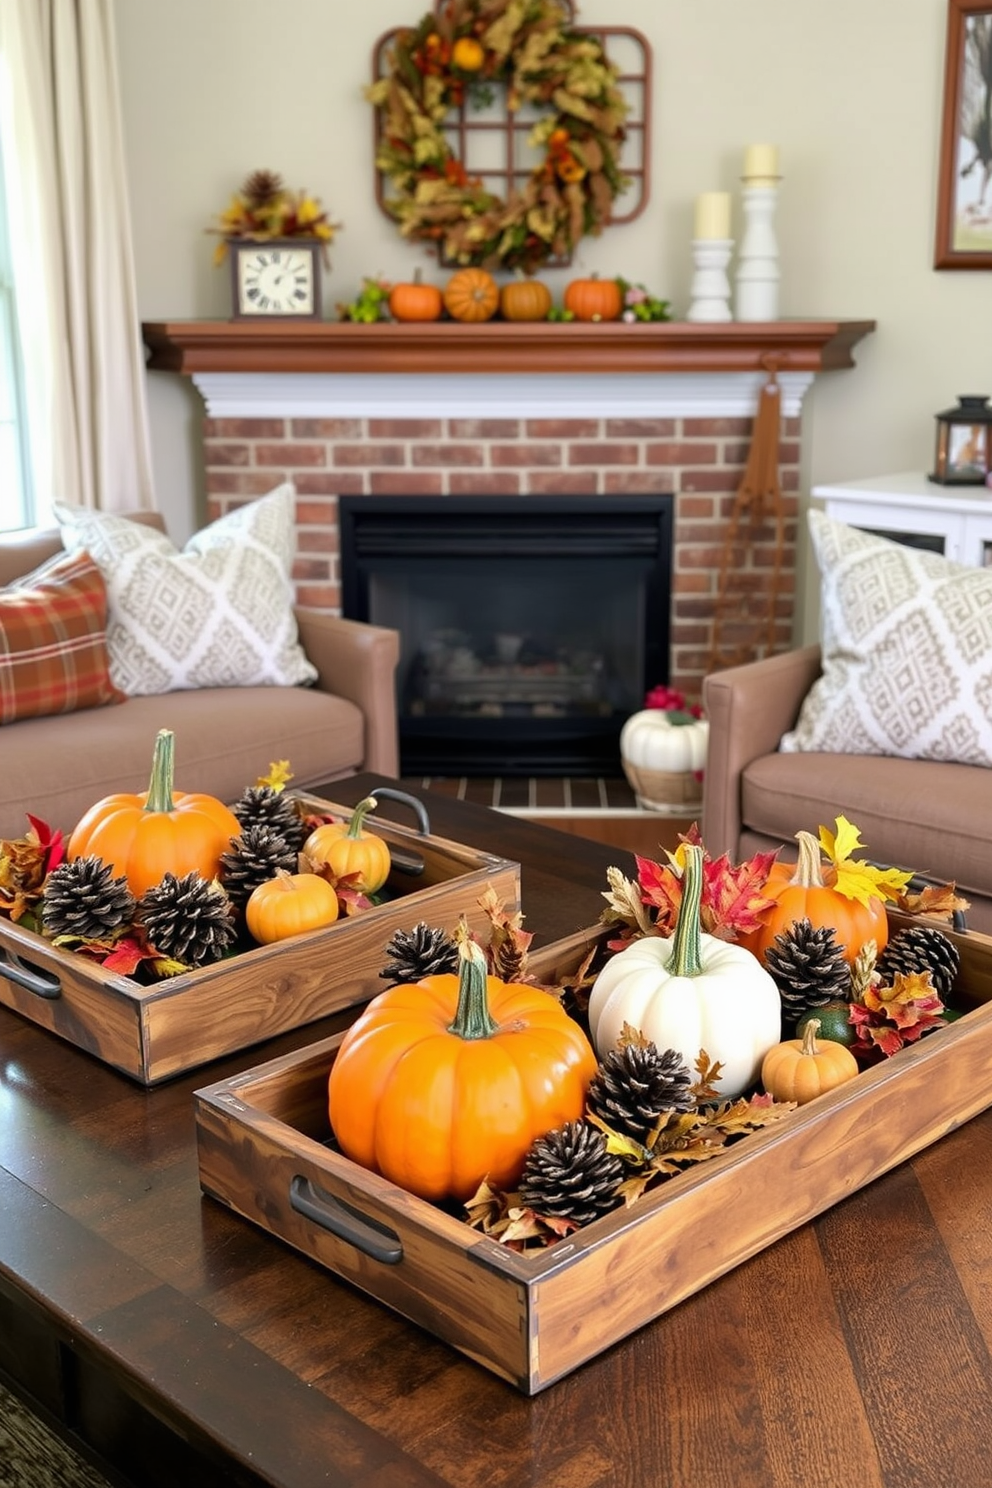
262 1141
154 1033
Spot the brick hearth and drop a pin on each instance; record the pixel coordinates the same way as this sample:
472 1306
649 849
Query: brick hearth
700 460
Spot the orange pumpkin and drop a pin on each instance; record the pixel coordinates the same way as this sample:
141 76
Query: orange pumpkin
439 1085
344 849
162 830
288 905
415 301
524 299
467 54
594 299
471 295
800 1069
801 891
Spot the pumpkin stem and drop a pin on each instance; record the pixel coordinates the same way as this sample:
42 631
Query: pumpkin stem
473 1019
159 796
359 814
809 1037
687 958
808 874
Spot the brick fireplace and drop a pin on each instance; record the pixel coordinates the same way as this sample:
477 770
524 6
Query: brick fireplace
346 410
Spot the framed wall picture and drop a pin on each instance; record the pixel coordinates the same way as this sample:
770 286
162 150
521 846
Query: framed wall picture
964 192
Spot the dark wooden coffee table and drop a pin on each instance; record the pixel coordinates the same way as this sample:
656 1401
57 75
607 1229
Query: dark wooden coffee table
185 1347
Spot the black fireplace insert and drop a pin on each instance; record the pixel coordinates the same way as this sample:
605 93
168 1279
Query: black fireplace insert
531 625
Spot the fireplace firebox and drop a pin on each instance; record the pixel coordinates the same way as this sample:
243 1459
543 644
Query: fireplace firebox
531 625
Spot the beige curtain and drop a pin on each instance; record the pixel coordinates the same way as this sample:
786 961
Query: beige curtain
71 255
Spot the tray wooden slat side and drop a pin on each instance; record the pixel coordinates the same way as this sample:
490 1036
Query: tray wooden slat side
154 1033
533 1319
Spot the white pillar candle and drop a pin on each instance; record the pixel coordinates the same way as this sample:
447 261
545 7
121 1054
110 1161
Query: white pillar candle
761 163
712 215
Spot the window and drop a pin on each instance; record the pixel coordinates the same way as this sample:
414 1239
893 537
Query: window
16 506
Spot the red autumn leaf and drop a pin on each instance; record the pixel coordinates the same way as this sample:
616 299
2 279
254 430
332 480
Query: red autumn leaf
51 842
732 897
127 956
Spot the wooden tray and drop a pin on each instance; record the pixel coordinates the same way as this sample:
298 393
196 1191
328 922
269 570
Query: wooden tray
532 1319
154 1033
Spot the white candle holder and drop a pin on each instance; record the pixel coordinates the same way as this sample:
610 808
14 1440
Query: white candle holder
710 285
757 265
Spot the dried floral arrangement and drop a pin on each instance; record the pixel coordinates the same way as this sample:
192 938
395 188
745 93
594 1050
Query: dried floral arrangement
460 54
263 209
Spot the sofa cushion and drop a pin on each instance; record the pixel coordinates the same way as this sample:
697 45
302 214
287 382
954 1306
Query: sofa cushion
910 815
225 740
907 653
53 641
217 614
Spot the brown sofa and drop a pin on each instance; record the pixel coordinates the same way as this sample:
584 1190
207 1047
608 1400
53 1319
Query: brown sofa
57 766
924 815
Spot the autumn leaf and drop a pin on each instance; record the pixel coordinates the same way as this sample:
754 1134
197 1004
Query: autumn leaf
279 775
854 878
939 901
708 1072
624 900
733 902
618 1143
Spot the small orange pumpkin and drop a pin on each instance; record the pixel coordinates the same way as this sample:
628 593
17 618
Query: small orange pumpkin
471 295
594 299
524 299
440 1084
344 849
162 830
415 301
800 1069
288 905
467 54
801 892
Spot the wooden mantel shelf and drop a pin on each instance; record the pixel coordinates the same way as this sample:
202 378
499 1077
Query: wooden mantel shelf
194 346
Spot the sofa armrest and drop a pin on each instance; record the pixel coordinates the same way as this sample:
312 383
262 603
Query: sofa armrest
749 709
358 662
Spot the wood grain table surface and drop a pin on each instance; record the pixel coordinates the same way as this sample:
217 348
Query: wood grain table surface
182 1345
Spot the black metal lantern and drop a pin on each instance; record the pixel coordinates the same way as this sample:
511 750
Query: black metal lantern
964 443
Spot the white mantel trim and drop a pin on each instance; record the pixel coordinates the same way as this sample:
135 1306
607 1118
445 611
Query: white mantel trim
485 395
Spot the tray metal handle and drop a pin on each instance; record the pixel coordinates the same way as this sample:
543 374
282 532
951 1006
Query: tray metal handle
348 1224
417 807
41 983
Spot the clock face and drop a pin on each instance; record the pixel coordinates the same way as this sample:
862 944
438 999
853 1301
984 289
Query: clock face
276 281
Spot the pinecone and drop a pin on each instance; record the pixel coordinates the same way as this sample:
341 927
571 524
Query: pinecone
809 969
252 859
261 187
261 806
634 1084
417 953
570 1175
187 919
85 899
922 948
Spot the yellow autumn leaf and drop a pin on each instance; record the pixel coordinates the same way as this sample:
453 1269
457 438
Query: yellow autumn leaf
842 843
856 879
279 775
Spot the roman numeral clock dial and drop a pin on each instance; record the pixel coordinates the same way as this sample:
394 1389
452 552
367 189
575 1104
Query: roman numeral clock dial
277 279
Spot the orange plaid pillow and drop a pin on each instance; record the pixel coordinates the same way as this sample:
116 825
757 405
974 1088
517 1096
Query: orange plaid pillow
53 641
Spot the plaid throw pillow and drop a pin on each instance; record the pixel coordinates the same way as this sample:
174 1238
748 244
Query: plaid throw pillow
53 641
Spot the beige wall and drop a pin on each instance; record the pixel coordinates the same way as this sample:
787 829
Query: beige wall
851 91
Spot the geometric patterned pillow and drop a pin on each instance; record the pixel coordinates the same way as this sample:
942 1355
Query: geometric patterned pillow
217 614
53 641
907 652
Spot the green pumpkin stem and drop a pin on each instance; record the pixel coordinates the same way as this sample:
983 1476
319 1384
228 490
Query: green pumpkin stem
473 1019
687 958
359 814
808 874
163 773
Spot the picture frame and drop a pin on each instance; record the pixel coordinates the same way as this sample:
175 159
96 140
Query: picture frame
964 190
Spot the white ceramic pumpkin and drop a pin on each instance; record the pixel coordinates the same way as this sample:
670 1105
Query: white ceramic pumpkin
660 739
691 992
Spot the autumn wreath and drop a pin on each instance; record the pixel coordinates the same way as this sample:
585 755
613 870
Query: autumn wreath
457 56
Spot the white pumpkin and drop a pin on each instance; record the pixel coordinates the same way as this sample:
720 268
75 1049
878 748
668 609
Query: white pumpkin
691 992
660 739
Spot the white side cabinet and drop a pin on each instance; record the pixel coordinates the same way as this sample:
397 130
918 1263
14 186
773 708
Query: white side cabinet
953 520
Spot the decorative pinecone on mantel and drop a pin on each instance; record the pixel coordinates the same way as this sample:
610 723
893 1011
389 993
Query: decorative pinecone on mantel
252 859
261 806
421 952
187 919
635 1084
84 898
921 948
809 969
570 1175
